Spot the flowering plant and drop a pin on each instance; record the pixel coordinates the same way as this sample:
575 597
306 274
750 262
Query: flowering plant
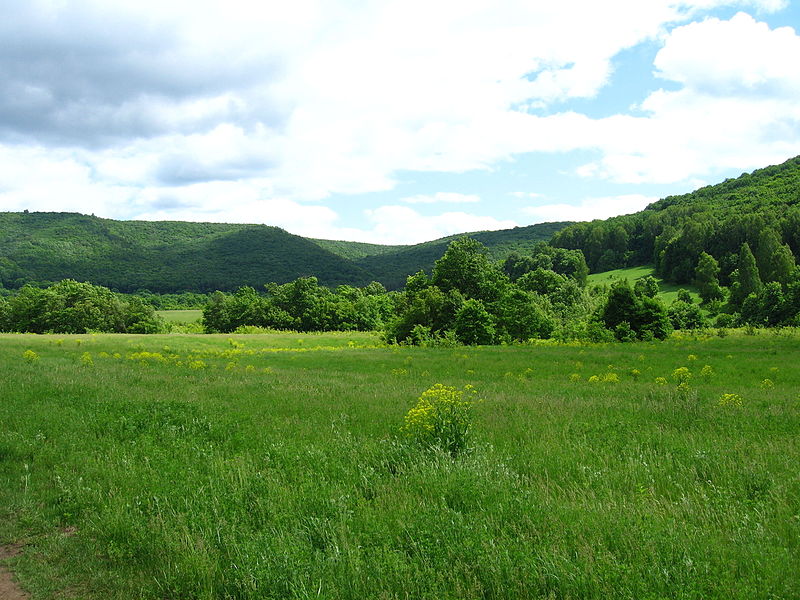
442 417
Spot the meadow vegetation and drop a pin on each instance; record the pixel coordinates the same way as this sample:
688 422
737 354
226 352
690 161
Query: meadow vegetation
297 466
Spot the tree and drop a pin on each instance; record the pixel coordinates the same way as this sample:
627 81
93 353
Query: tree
473 324
686 315
646 317
541 281
519 316
782 264
747 280
646 286
465 267
707 278
766 249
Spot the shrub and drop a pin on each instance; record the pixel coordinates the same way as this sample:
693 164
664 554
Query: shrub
442 418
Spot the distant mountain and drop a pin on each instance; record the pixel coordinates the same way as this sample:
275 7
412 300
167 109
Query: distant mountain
170 256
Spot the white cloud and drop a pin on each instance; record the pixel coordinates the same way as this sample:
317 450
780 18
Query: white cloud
442 197
403 225
526 195
736 57
589 208
737 107
242 111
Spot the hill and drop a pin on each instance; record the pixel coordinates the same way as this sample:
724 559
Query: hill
172 256
394 266
161 256
760 208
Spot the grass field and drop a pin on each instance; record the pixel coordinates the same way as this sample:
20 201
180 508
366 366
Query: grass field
272 466
668 291
180 316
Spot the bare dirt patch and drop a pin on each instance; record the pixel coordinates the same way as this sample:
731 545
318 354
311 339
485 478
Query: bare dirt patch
9 588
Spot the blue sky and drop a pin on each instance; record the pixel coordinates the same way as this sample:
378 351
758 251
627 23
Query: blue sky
392 121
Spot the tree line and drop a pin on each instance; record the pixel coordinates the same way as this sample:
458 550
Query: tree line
467 298
72 307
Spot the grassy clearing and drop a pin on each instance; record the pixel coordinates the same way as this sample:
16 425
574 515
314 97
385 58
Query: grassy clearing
180 316
271 467
668 291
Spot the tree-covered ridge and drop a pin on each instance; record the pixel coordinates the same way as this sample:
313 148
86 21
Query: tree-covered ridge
161 256
173 256
392 268
761 209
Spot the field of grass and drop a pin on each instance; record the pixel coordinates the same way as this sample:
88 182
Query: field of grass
273 466
180 316
668 291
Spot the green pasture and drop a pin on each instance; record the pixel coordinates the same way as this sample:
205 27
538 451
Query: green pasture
180 316
668 291
273 466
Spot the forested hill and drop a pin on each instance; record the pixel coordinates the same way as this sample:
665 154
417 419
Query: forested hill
394 266
163 256
170 256
760 208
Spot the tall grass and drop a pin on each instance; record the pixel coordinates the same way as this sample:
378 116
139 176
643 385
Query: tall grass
277 469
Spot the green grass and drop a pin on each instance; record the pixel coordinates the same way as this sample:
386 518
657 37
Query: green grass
276 469
668 291
180 316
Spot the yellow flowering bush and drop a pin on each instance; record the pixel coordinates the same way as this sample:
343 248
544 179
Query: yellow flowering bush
682 375
767 384
706 372
30 356
442 417
147 357
661 381
610 378
575 377
86 360
730 400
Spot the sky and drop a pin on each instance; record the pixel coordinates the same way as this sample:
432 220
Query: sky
386 121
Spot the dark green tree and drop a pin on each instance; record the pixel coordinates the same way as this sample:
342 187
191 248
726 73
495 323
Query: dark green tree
646 317
521 316
706 279
473 324
465 267
746 280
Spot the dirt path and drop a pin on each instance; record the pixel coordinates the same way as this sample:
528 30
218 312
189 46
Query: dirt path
9 589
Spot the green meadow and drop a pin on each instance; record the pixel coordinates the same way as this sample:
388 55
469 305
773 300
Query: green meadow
668 292
274 466
180 316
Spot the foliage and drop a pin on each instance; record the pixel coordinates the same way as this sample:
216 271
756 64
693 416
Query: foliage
442 418
473 324
707 278
73 307
759 208
392 268
686 315
301 305
629 313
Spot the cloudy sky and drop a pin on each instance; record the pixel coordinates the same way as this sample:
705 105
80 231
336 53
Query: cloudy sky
388 121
